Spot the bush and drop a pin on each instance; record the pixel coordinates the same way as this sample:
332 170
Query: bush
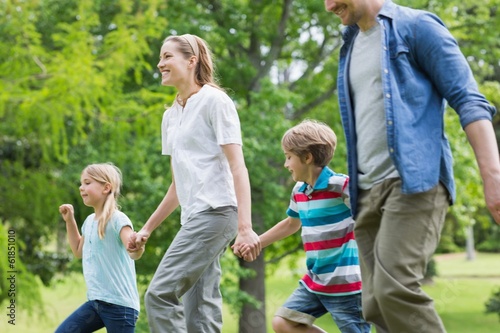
493 304
430 272
492 243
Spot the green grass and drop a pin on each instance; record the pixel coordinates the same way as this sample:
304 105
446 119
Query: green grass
460 303
456 265
459 292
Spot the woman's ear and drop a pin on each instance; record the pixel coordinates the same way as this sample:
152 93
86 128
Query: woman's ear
193 61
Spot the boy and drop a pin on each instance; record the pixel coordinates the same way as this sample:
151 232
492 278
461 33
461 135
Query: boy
319 204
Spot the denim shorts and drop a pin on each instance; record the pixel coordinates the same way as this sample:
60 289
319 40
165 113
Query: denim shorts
94 315
305 307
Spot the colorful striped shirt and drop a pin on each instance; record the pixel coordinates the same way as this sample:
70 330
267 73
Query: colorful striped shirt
327 235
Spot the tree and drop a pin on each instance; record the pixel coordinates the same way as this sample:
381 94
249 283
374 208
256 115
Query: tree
79 84
250 39
72 94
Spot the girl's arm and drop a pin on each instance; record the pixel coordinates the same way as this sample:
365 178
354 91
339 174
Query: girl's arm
74 238
246 235
125 235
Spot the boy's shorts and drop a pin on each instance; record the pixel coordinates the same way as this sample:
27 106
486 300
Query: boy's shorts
305 307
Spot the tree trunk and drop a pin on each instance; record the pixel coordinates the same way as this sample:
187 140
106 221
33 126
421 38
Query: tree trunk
253 320
469 242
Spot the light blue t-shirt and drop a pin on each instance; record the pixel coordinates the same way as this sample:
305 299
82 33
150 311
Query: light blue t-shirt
108 270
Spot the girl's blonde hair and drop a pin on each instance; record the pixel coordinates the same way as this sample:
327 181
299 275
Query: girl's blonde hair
311 136
106 173
204 73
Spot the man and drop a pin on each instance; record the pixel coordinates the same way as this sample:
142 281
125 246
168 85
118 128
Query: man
396 69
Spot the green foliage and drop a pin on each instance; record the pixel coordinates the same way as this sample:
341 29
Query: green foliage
18 284
79 84
74 95
492 242
431 270
493 303
230 280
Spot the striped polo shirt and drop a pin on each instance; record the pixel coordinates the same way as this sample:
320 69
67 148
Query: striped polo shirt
327 235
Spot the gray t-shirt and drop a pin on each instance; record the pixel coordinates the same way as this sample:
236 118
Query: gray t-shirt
374 162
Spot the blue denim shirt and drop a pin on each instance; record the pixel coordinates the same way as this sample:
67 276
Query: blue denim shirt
422 69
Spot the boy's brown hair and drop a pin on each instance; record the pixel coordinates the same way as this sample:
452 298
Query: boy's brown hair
311 136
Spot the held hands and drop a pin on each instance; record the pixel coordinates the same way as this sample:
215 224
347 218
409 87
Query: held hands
137 241
247 245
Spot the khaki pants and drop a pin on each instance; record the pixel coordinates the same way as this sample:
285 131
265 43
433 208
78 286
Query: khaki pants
397 235
191 269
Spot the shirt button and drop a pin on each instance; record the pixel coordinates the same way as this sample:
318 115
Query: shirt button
386 71
391 150
389 123
388 95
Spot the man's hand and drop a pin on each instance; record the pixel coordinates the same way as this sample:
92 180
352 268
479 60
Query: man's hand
492 197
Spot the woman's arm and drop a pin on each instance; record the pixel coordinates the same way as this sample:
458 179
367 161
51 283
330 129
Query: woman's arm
246 235
169 203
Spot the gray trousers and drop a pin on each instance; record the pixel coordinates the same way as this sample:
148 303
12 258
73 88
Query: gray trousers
191 269
397 235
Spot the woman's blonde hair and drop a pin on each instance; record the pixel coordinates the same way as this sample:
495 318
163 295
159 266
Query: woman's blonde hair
311 136
106 173
204 73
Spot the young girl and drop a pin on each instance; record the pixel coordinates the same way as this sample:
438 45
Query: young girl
109 271
201 133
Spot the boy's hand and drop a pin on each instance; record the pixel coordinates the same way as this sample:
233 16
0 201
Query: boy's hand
243 251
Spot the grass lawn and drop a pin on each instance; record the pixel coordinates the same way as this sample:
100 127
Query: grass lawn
460 293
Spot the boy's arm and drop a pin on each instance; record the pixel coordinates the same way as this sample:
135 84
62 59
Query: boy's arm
281 230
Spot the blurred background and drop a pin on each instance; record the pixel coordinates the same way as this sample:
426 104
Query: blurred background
79 85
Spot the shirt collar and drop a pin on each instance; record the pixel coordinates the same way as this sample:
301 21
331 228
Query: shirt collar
321 182
388 9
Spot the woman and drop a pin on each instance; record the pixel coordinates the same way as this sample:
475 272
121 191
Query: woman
201 132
